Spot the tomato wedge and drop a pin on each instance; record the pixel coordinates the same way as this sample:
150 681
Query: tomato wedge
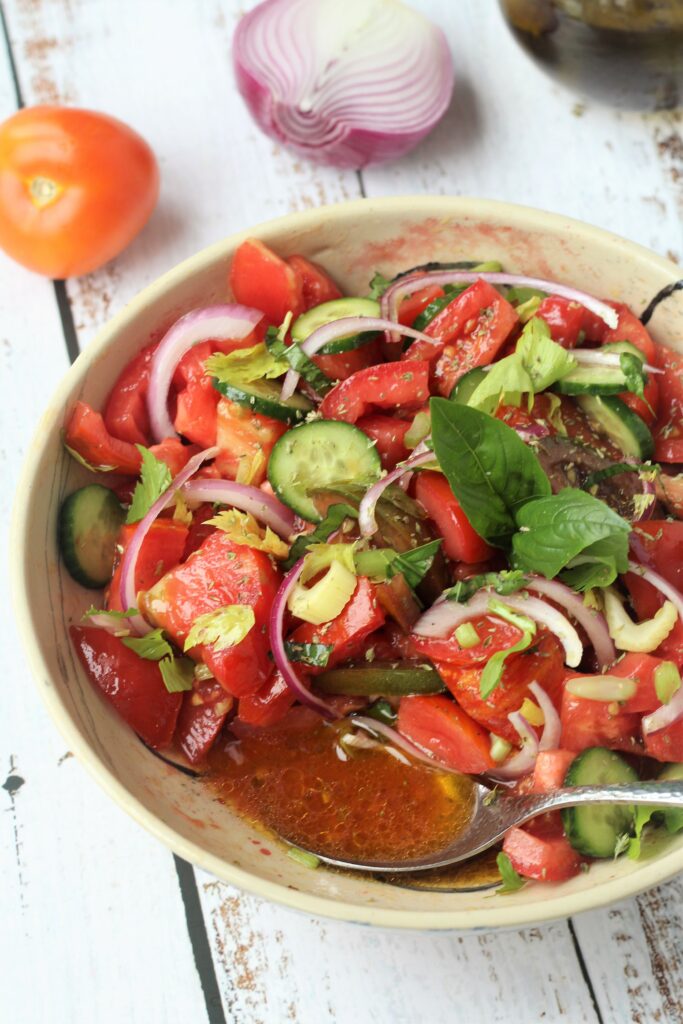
494 635
261 279
317 286
346 634
245 439
125 414
595 723
437 724
470 331
543 858
386 386
267 706
629 328
388 433
202 716
411 307
220 573
461 542
565 318
131 684
161 550
87 435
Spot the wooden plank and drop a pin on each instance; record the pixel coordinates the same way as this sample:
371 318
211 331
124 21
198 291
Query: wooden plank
273 966
86 894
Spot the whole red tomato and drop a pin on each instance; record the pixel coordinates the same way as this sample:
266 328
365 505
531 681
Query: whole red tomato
75 188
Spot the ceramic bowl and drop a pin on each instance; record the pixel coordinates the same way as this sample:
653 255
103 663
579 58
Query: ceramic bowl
351 241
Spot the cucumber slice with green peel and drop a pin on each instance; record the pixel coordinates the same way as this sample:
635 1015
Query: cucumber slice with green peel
314 457
595 829
592 380
335 309
392 681
467 385
263 397
624 346
88 525
615 420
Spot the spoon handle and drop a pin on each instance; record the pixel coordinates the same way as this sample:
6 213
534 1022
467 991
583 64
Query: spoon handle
659 794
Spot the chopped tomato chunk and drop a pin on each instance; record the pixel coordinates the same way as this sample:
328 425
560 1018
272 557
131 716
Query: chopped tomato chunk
125 414
388 433
461 542
596 723
262 280
438 725
494 635
411 307
668 430
543 858
666 744
629 328
550 770
245 439
220 573
386 386
317 286
267 706
202 716
346 634
132 685
88 436
161 550
565 318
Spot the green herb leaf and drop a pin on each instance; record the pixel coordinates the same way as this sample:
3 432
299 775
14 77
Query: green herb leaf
336 514
494 667
111 614
303 857
314 376
616 469
223 628
381 711
155 478
275 344
177 674
555 530
634 374
598 565
378 285
245 365
84 462
153 646
308 654
512 881
507 581
491 472
416 563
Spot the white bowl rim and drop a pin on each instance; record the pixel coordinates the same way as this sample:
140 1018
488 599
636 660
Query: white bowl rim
499 915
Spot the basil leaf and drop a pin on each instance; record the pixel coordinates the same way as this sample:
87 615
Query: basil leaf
336 514
415 564
378 285
512 881
274 343
508 581
634 374
314 376
493 670
598 565
155 478
555 530
491 472
308 654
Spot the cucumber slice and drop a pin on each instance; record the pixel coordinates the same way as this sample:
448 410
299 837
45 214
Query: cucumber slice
592 380
616 421
594 829
467 385
392 680
624 346
89 523
263 397
326 313
316 456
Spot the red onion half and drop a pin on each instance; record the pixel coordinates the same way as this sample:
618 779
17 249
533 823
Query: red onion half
262 506
340 329
413 282
216 323
343 82
277 646
127 592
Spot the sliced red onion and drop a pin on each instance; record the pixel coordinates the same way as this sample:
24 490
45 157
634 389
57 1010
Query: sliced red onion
399 740
127 591
366 509
444 616
414 282
215 323
597 357
660 584
277 646
262 506
593 622
533 432
665 715
552 727
345 84
521 763
340 329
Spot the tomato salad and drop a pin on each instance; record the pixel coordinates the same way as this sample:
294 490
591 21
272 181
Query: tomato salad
441 521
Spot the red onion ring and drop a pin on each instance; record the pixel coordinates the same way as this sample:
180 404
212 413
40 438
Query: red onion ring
216 323
127 591
665 715
366 510
339 329
262 506
552 728
521 763
277 646
593 622
444 616
413 282
399 740
342 83
660 584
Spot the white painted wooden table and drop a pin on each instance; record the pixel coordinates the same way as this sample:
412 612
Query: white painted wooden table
97 921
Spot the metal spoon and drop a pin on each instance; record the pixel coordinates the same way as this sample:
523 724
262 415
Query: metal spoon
492 816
